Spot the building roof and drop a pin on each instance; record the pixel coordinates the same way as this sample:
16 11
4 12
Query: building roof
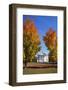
40 54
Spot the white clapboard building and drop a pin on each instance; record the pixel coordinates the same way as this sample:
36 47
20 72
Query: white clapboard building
42 58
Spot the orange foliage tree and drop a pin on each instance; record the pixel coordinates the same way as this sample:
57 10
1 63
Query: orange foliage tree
50 40
31 40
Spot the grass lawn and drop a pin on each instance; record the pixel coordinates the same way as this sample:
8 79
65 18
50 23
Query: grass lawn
39 70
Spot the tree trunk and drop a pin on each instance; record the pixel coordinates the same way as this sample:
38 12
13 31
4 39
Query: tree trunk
25 63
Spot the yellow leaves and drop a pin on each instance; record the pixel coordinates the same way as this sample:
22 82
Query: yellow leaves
50 39
31 31
31 40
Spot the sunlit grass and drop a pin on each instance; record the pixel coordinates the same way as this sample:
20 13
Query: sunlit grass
39 70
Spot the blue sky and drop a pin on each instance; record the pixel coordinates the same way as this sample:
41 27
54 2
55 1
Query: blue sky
43 23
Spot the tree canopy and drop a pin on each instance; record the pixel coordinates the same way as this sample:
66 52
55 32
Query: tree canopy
50 40
31 40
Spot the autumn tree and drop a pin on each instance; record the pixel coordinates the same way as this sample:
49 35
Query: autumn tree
50 40
31 41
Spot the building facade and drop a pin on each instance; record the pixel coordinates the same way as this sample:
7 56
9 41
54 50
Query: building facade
42 58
